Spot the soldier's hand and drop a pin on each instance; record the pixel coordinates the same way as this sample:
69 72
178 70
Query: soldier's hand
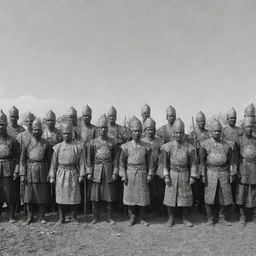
192 180
114 177
15 176
149 178
125 180
22 179
232 179
51 180
81 179
168 181
89 177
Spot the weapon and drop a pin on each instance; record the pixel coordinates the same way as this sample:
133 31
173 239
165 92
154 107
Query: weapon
85 197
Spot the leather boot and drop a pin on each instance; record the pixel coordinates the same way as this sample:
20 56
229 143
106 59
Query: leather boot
109 213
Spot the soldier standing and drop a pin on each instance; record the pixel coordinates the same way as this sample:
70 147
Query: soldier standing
34 169
137 170
157 186
51 133
71 117
179 174
246 188
102 168
165 132
9 166
145 113
67 170
13 128
218 173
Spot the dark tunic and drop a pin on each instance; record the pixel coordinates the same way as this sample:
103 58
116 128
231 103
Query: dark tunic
34 165
9 164
246 188
102 162
216 160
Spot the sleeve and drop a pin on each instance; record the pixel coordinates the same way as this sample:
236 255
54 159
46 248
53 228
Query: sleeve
192 162
235 159
89 157
151 163
123 161
166 162
23 162
231 157
203 158
16 155
116 159
54 163
82 162
49 152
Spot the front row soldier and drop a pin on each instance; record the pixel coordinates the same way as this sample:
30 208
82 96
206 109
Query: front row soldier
218 174
34 169
102 168
9 168
137 171
67 171
180 173
246 189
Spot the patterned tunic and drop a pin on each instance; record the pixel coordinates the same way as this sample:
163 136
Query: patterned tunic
68 163
87 133
216 165
34 165
178 162
53 137
136 163
246 189
24 137
9 164
118 133
231 133
165 132
14 131
102 162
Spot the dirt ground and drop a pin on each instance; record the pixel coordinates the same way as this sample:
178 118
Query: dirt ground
120 239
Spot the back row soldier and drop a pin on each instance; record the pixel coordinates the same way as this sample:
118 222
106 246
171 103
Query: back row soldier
145 113
13 128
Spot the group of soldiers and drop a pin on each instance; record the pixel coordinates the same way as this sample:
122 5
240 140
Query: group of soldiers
138 165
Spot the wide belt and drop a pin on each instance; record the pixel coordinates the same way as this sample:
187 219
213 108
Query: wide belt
137 166
178 168
36 161
67 165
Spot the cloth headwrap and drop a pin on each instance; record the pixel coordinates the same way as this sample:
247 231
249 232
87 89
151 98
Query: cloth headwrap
146 109
103 121
231 113
136 124
28 116
150 123
13 111
3 118
37 124
86 111
178 125
200 116
50 115
250 110
112 111
170 111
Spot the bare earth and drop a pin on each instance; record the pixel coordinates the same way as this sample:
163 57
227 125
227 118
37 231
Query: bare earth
120 239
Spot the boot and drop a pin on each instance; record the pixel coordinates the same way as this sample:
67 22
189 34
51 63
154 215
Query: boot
222 216
242 220
142 214
185 221
95 212
73 213
131 211
61 214
210 216
41 208
11 213
170 221
30 214
109 212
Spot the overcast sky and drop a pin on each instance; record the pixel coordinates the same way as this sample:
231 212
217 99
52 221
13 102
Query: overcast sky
194 55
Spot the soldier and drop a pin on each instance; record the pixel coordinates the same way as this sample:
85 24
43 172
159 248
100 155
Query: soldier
165 132
13 129
145 113
71 117
179 174
102 168
249 111
67 170
34 169
196 137
137 170
24 137
218 173
87 131
156 187
246 188
51 133
9 167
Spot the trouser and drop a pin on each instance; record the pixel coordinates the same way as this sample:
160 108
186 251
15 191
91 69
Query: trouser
198 193
95 209
31 208
63 209
132 211
184 211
